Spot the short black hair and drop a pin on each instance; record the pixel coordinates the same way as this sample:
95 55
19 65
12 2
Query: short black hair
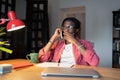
76 22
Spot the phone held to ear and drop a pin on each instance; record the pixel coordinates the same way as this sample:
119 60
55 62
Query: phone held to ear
61 34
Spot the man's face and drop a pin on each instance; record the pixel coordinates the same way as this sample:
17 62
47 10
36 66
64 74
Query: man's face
68 26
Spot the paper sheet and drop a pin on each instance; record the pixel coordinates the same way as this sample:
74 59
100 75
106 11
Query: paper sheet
52 64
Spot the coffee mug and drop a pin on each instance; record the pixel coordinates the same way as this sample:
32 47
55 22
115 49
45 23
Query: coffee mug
32 57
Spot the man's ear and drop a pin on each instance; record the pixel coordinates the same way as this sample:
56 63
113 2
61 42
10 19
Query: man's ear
77 32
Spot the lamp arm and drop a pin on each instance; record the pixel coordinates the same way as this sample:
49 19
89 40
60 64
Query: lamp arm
3 20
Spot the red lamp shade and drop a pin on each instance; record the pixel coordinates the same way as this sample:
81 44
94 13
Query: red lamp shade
14 23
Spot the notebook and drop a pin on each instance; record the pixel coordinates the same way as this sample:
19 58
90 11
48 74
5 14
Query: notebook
21 64
70 72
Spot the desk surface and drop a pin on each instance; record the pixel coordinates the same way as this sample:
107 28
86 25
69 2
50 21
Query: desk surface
33 73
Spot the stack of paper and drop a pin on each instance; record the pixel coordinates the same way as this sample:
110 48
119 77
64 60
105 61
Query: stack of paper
52 64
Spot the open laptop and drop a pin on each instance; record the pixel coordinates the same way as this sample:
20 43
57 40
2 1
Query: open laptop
70 72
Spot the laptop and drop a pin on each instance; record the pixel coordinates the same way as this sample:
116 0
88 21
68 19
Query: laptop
70 72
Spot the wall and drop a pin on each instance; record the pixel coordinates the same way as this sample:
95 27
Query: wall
21 9
53 10
98 23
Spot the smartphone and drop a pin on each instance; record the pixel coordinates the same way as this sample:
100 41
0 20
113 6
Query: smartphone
61 34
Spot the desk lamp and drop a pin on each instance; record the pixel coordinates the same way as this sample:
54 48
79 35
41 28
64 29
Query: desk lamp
12 25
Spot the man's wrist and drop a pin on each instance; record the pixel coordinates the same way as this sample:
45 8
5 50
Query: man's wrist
51 42
81 46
